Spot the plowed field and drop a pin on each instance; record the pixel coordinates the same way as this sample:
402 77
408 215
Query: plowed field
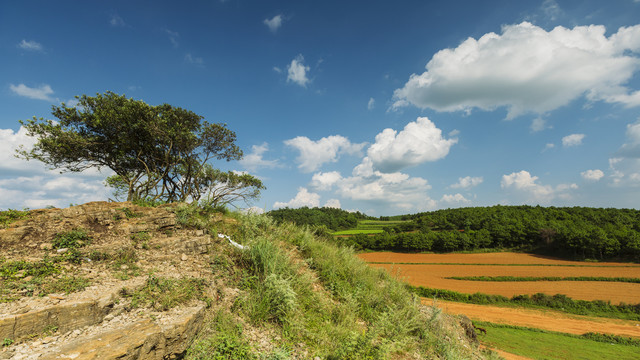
546 320
432 270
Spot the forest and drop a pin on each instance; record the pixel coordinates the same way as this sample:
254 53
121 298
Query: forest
330 218
571 232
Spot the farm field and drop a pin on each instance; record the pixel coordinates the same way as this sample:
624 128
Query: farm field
541 319
433 270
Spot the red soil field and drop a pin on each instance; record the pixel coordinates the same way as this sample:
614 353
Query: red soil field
546 320
434 275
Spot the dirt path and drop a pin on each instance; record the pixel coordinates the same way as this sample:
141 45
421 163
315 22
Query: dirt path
546 320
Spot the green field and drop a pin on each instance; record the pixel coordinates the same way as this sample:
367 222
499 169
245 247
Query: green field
538 344
358 231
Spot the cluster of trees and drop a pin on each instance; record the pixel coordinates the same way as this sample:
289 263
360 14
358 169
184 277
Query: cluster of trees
577 232
331 218
158 153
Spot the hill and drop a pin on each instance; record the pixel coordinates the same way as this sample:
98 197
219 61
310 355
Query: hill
120 281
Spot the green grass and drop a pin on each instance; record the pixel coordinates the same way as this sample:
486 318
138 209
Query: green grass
538 344
9 216
319 298
544 278
358 231
162 293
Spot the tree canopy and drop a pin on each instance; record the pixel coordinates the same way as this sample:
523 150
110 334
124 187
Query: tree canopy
156 152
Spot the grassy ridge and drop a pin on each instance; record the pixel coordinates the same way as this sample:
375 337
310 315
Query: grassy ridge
317 300
540 344
538 301
545 278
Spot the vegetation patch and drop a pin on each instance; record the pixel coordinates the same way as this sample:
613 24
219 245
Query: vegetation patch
545 278
537 343
225 341
162 293
540 301
9 216
357 231
73 239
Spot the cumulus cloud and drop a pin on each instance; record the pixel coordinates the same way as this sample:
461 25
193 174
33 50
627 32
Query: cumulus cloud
551 9
30 45
302 198
419 142
528 69
539 124
297 71
592 175
333 203
254 160
467 182
274 23
10 141
328 149
39 93
572 140
392 190
522 182
325 181
631 148
455 199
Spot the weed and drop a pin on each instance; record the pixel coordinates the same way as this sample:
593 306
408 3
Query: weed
130 214
7 342
124 263
66 284
73 239
140 237
9 216
165 293
49 330
226 342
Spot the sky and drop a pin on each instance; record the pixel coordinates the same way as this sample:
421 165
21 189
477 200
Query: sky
384 107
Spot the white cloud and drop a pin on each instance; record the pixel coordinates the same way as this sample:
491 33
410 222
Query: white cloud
528 69
254 160
10 141
116 21
196 60
539 124
592 175
631 148
454 132
302 198
467 182
297 71
325 181
548 146
254 210
40 93
523 183
455 199
551 9
277 69
572 140
333 203
371 104
315 153
274 23
390 190
173 37
30 45
419 142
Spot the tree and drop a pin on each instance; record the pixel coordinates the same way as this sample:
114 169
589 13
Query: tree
156 152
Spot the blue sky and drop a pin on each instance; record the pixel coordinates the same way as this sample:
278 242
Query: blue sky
386 107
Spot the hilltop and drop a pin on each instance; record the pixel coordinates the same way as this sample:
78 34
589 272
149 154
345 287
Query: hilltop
117 280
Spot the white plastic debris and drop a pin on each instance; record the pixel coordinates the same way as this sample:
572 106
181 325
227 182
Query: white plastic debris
223 236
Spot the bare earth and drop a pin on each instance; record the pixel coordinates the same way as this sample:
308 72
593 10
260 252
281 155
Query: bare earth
427 270
546 320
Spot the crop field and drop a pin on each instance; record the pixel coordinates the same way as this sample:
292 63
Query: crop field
436 270
357 231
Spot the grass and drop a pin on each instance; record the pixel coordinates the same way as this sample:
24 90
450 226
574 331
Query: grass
315 299
9 216
545 278
556 302
161 293
539 344
358 231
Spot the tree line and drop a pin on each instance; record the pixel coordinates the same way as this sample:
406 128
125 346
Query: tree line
576 232
330 218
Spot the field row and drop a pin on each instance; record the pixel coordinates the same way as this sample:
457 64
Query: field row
438 276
